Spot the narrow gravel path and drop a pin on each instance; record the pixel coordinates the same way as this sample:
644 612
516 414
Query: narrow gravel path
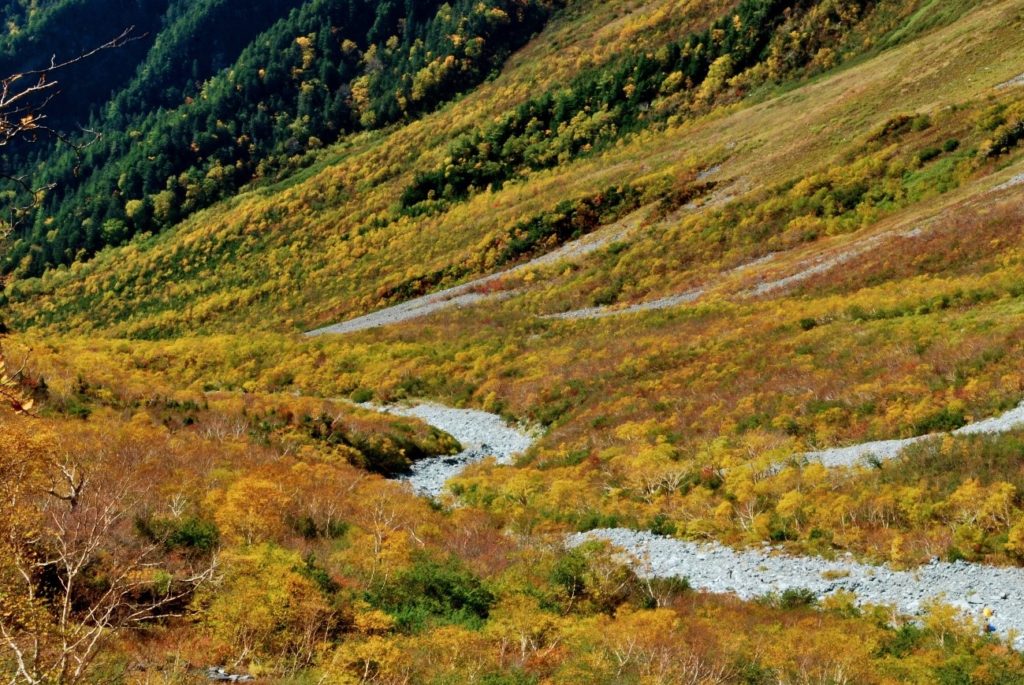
753 573
1013 182
818 265
889 449
457 297
668 302
469 293
1015 81
602 312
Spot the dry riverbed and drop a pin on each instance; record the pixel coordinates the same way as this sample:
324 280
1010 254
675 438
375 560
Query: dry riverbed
712 567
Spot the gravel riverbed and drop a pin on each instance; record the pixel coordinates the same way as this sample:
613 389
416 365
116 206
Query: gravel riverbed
481 435
890 449
754 573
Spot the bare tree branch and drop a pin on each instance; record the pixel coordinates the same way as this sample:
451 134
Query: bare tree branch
82 536
24 98
11 392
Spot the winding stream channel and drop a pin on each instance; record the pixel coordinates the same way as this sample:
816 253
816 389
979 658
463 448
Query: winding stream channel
750 573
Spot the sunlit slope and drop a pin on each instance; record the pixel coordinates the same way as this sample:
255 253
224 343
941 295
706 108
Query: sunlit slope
876 212
364 176
327 245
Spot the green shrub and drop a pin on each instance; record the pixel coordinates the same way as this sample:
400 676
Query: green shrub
928 154
433 592
190 534
902 641
361 395
662 525
941 421
792 598
1006 137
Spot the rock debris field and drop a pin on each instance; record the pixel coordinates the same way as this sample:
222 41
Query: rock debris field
752 573
481 435
476 291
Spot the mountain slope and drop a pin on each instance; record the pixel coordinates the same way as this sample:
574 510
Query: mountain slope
319 225
813 219
204 116
749 273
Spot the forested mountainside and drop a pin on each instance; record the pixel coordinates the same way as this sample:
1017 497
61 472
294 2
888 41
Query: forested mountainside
515 342
215 94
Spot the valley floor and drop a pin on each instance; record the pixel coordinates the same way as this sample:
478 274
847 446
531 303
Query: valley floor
750 574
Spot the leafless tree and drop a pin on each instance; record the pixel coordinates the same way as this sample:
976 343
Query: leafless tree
24 97
80 574
11 391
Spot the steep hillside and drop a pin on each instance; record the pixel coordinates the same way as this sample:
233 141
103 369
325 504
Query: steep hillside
352 200
743 273
229 92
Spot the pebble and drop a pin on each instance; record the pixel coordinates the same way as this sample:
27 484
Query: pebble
751 574
480 433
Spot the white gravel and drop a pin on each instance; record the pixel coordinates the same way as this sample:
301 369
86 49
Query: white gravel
890 449
458 297
1015 81
481 434
709 172
687 297
824 263
602 312
818 265
587 244
754 573
997 424
855 454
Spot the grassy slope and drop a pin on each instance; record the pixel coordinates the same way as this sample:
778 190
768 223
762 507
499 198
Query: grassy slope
881 353
274 274
312 230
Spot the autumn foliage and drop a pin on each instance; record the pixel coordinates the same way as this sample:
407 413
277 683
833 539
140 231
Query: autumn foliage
186 481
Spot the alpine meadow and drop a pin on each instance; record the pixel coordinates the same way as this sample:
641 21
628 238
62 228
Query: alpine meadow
512 342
